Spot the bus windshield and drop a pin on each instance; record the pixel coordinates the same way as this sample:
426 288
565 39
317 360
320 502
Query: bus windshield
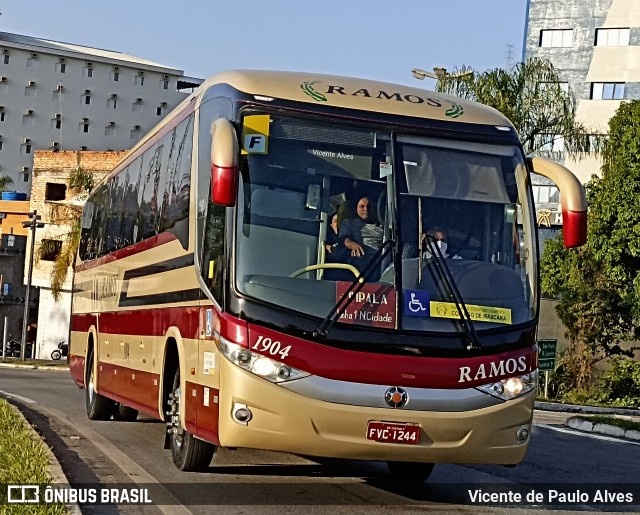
457 216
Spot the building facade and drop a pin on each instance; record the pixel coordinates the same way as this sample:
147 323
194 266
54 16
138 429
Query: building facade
59 205
595 46
13 242
59 96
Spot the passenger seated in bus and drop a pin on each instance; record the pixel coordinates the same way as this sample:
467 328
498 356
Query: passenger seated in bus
362 237
335 252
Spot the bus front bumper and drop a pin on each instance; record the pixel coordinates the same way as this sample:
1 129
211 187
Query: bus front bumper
282 420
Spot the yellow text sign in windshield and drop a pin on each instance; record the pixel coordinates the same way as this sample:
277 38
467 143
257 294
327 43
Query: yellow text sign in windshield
477 313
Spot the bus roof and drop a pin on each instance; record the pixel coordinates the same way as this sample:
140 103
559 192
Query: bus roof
362 94
340 92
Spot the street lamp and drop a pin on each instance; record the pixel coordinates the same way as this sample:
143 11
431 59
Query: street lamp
438 73
32 224
420 74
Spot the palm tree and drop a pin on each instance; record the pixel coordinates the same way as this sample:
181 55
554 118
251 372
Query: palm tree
5 180
531 95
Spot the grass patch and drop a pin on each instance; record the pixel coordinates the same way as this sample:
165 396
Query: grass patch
623 423
23 460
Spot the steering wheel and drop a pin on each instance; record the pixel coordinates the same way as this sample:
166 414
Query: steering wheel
323 266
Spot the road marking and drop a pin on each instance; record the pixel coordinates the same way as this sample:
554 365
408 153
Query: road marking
588 435
137 474
20 398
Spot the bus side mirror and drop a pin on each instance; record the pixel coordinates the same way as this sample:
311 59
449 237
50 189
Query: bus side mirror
573 200
224 163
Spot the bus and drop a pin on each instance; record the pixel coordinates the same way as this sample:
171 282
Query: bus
204 295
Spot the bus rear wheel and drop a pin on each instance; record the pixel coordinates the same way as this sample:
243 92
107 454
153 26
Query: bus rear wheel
98 406
407 472
189 453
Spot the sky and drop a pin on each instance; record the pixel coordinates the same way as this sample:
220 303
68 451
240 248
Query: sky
374 39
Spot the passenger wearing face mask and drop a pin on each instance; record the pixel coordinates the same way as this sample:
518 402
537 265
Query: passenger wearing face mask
436 236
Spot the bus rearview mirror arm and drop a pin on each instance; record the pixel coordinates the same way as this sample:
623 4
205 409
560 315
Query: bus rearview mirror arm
573 200
224 163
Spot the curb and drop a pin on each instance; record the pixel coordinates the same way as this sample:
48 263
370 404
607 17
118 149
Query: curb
592 410
604 429
34 367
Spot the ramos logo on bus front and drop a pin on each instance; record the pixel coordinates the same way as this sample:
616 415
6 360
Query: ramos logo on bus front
454 110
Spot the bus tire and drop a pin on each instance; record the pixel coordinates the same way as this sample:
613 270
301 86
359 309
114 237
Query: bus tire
189 453
408 472
126 413
98 406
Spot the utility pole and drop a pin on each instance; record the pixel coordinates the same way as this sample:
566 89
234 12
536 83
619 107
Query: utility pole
32 224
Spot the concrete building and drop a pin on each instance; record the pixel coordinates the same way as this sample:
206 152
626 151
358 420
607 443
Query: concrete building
595 46
59 205
59 96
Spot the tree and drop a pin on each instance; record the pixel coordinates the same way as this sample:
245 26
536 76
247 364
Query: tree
5 180
531 95
599 284
69 214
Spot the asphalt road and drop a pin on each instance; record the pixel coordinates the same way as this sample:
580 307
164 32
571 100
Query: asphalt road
560 462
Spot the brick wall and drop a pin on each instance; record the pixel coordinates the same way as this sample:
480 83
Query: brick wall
55 168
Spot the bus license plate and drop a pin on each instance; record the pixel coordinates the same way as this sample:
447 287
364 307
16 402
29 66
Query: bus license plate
393 433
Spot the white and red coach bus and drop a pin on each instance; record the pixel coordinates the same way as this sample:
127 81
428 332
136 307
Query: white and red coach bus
204 294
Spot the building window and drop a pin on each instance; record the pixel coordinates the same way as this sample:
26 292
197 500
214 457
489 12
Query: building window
159 111
546 194
115 76
87 71
87 99
2 116
61 67
110 129
164 84
58 123
32 62
0 144
50 249
612 37
607 90
55 191
556 38
6 58
139 79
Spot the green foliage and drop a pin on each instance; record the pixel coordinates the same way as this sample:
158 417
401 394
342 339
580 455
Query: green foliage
599 284
5 180
620 385
23 459
80 179
530 95
65 259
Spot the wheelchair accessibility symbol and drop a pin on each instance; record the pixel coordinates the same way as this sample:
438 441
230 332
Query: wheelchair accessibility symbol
416 303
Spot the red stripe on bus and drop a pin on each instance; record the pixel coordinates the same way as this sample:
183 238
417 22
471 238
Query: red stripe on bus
147 322
82 322
387 369
76 368
134 388
155 241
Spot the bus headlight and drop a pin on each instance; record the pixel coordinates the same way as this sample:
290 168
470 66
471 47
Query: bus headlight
257 364
512 387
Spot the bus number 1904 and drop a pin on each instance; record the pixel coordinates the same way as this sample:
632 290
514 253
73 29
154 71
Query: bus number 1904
269 346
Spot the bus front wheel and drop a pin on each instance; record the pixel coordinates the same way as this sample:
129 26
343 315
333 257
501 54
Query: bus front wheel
98 406
188 452
410 472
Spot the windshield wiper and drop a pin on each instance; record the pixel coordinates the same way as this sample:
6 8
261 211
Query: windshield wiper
446 277
355 286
